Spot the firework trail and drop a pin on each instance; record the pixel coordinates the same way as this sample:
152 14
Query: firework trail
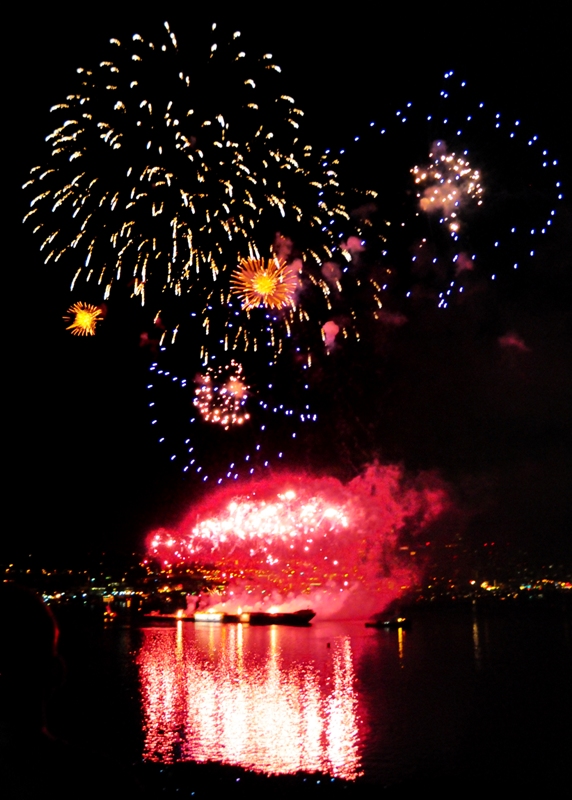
293 541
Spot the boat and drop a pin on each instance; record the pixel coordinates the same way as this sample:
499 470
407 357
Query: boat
299 618
392 623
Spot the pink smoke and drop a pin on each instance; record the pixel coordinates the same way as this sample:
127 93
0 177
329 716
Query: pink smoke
514 341
330 330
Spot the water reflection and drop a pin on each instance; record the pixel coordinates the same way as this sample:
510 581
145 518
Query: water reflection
400 636
233 694
476 641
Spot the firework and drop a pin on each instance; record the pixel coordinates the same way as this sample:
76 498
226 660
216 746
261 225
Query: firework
259 282
171 189
229 421
85 318
449 182
221 395
294 539
444 261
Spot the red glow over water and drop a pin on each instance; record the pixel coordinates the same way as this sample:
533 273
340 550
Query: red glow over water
295 541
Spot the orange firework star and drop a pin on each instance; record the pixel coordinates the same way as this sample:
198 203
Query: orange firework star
85 318
261 282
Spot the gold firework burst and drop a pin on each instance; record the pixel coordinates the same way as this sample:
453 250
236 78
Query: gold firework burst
221 395
264 282
85 318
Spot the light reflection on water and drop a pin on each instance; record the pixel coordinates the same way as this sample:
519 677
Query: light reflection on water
240 695
459 694
464 693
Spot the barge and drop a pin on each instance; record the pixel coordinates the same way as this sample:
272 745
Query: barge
300 618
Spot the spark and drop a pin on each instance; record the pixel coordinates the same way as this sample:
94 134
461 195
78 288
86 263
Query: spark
221 395
169 196
84 320
449 182
298 539
260 282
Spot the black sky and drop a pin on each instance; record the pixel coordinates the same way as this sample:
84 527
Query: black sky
496 422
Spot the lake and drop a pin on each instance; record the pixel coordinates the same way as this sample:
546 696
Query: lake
461 693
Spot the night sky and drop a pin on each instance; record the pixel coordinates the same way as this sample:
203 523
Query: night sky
439 393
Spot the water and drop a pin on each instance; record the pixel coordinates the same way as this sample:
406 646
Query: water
277 699
457 694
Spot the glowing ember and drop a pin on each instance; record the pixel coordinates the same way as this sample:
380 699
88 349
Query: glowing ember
294 541
85 318
221 395
264 283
